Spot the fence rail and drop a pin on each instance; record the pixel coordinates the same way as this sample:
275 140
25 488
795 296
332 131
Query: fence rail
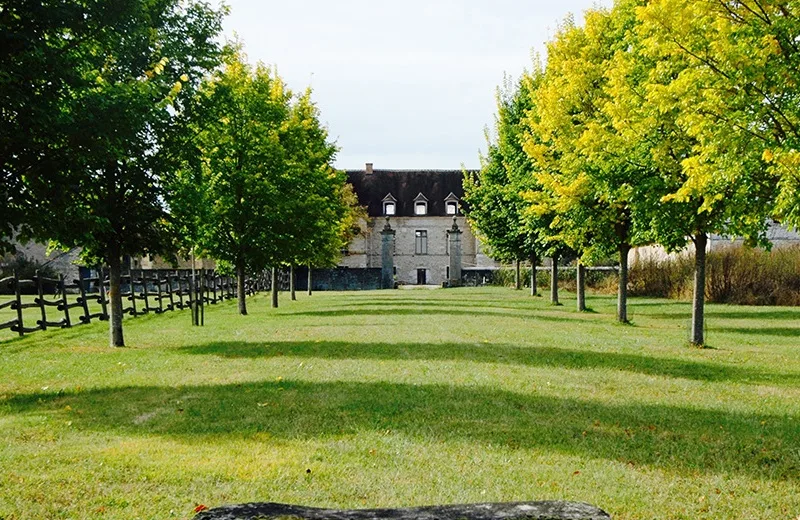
145 291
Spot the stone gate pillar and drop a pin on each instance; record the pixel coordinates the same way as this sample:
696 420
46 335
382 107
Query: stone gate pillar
387 256
454 235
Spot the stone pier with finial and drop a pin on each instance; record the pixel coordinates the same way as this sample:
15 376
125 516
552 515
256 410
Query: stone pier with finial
387 256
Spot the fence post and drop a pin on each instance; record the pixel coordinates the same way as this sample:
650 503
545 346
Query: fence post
159 292
40 292
145 291
202 298
132 296
170 293
18 304
86 318
103 303
64 302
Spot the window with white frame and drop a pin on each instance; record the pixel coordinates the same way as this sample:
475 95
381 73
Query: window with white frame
420 205
389 205
451 204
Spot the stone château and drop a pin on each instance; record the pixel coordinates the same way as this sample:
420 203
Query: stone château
421 208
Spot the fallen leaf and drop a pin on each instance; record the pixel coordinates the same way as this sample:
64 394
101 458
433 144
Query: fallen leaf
200 507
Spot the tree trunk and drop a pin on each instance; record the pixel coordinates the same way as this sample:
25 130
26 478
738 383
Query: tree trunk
534 287
622 289
698 298
554 281
274 287
115 297
240 289
309 279
291 282
517 276
581 283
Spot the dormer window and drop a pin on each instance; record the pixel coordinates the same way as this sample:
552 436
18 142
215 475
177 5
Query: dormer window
420 205
389 205
451 204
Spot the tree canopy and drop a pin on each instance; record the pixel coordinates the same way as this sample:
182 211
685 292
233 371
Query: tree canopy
94 89
653 122
256 186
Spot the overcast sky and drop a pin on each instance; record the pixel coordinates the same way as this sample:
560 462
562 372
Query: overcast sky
406 84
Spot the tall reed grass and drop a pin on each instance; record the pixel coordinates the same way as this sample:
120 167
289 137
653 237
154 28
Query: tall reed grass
734 274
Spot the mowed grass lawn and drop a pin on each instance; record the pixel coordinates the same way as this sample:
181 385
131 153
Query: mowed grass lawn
404 398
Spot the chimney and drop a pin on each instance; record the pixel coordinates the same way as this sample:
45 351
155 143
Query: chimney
369 168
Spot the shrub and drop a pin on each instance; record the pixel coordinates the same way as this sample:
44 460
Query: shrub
734 274
598 281
26 269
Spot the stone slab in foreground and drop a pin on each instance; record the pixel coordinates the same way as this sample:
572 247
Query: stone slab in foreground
548 510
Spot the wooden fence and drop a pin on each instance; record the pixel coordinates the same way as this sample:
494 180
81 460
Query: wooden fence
145 291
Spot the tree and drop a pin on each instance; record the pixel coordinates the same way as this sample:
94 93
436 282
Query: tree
230 187
125 70
663 105
42 61
324 208
747 57
326 244
257 181
493 196
595 191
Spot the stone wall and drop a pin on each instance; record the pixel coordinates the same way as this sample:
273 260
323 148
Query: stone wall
477 277
338 279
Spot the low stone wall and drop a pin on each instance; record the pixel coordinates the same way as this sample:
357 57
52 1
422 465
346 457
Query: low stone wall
548 510
477 277
339 279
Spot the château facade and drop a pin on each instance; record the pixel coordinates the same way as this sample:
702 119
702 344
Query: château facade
420 207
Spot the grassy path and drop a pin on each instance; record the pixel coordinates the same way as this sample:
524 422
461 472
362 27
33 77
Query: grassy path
402 398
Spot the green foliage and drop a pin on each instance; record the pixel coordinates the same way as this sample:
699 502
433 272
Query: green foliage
741 67
256 188
26 268
596 196
117 73
493 196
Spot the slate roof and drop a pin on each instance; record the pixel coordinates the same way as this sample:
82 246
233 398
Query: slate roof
405 185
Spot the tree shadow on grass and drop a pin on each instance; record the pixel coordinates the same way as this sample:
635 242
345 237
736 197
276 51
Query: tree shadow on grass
439 310
686 440
498 353
788 332
756 314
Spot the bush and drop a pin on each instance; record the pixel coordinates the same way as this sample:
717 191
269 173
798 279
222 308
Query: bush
26 269
664 278
734 274
598 281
